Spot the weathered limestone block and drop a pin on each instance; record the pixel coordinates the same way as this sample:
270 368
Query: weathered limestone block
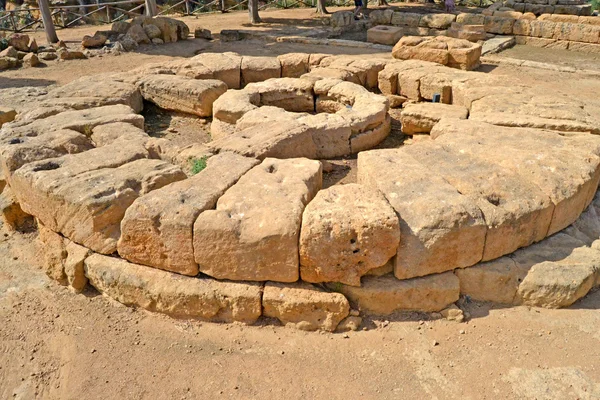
172 294
17 152
253 233
157 229
440 228
499 25
342 18
383 34
565 168
421 48
286 139
330 134
84 196
437 21
172 92
406 19
470 19
54 253
517 212
82 121
577 32
104 90
472 33
232 105
225 67
558 284
304 306
294 65
74 265
496 281
370 138
347 230
531 109
291 94
421 117
381 17
12 215
258 69
107 134
385 295
7 114
266 115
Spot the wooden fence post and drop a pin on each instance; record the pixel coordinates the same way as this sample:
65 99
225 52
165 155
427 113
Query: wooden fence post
150 8
47 20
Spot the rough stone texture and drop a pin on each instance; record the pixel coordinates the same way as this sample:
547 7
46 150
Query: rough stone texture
421 117
294 65
192 96
84 196
103 135
455 53
290 94
286 139
436 235
496 281
157 229
54 253
304 306
74 265
437 21
258 69
385 295
96 40
82 121
16 152
104 90
406 19
559 284
257 238
499 25
384 34
570 186
172 294
12 215
7 114
347 230
472 33
222 66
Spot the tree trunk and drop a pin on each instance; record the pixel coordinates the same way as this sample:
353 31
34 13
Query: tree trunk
253 11
47 20
321 7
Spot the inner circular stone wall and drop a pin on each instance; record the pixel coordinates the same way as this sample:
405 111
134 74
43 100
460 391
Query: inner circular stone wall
459 212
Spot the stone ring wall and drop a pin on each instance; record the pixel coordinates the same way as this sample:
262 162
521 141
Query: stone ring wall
248 234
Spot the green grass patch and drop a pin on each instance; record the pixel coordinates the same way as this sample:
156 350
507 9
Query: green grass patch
198 164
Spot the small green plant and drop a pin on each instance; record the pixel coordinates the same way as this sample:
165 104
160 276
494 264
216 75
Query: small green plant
596 5
335 287
198 164
87 130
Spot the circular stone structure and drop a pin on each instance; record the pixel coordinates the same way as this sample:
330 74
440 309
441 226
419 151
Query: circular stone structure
497 202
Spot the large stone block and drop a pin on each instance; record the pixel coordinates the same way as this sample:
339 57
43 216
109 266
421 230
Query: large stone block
421 117
294 65
84 196
385 295
437 21
157 229
173 92
172 294
499 25
405 19
383 34
347 230
225 67
441 229
304 306
253 233
258 69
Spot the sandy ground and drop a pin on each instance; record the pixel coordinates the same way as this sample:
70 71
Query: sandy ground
58 345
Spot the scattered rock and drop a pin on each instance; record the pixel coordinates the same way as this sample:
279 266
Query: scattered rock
201 33
30 60
95 41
